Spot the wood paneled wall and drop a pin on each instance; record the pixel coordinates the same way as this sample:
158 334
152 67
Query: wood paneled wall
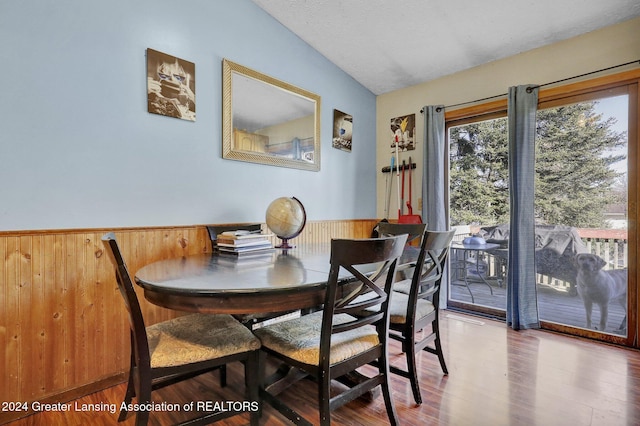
63 325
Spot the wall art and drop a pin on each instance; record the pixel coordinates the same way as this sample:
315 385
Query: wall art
342 130
403 130
171 86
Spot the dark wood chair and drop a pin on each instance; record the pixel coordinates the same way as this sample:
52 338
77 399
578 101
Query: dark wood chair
415 303
332 343
175 350
413 230
215 230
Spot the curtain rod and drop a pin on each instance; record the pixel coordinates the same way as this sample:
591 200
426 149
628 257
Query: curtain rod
540 85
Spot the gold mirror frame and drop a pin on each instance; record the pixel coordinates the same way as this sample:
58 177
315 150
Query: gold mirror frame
292 94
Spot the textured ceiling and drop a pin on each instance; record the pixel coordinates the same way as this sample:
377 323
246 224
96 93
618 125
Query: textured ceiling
389 44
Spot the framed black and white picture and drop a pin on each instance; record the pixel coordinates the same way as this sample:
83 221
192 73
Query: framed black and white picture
171 86
342 130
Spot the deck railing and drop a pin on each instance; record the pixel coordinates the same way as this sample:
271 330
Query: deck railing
610 244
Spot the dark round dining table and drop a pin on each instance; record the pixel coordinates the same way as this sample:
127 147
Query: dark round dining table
277 281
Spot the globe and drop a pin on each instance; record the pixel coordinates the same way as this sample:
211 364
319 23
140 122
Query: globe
286 218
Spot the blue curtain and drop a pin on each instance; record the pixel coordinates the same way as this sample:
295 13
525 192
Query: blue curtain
522 301
434 205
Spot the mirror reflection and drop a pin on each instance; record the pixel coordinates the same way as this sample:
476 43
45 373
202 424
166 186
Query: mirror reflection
268 121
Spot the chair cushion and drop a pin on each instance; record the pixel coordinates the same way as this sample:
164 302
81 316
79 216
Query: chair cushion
299 339
398 307
197 337
403 286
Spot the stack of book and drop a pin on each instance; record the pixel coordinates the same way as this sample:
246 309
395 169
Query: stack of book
243 242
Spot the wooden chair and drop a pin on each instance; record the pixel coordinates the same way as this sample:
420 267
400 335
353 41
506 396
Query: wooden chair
414 231
215 230
332 343
415 303
172 351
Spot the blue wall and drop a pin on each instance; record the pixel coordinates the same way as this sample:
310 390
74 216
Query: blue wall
78 148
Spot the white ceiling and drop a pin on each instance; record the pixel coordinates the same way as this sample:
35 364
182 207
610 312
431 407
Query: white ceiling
391 44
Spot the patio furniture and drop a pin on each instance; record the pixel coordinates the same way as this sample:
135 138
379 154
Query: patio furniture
467 262
556 246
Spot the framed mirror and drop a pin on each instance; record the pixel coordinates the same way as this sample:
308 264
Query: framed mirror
268 121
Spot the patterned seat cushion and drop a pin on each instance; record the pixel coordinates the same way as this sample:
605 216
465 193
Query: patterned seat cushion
403 286
398 307
299 339
197 337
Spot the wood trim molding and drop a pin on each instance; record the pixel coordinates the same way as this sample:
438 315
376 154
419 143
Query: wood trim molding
588 85
548 94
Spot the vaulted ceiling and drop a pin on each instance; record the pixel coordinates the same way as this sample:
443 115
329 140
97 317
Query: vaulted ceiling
391 44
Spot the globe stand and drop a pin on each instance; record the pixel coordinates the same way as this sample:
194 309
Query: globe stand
285 244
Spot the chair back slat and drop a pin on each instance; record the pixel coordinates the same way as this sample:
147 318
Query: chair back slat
431 265
431 262
347 255
413 230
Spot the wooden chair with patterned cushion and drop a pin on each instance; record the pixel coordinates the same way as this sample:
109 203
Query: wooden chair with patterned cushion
332 343
415 304
175 350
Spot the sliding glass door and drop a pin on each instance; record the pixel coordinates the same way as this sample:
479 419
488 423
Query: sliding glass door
581 203
479 201
583 207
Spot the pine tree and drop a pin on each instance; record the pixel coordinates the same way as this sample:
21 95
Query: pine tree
574 181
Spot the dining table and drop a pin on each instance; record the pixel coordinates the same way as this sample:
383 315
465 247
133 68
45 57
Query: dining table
276 281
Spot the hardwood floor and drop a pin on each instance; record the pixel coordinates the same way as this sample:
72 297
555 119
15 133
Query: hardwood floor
497 376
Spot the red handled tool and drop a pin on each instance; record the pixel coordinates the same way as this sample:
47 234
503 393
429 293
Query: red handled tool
409 218
402 199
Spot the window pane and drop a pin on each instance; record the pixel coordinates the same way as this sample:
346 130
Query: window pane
479 198
581 204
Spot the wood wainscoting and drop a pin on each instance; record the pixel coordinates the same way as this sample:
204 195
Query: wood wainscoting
63 325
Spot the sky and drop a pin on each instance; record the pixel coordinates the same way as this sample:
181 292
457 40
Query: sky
616 107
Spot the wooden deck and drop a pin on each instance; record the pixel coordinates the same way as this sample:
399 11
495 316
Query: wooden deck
554 304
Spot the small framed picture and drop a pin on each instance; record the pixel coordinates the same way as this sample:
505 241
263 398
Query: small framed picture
342 129
403 130
171 86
